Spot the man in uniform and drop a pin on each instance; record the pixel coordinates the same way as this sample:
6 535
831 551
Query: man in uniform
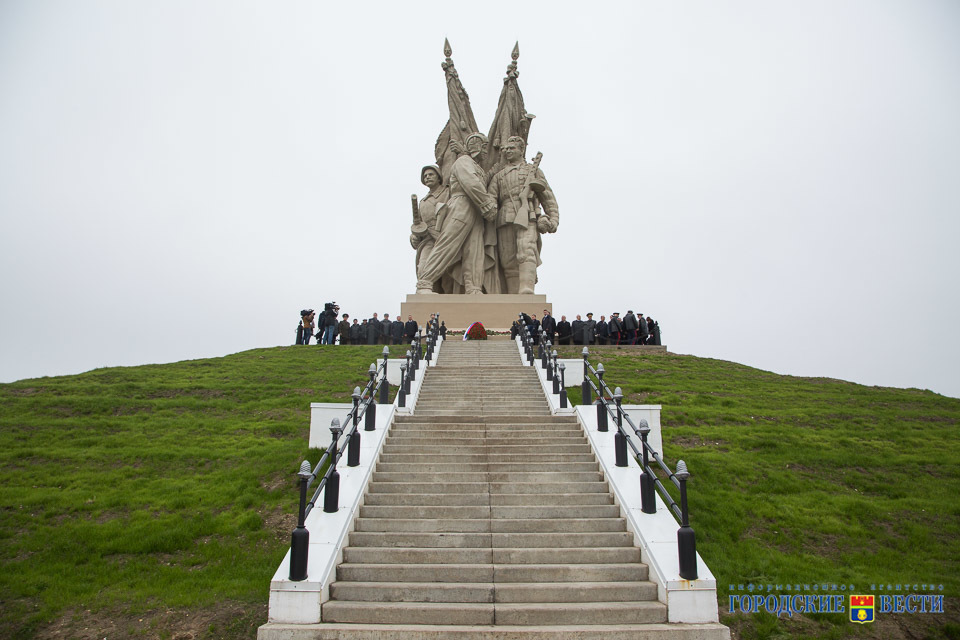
385 326
563 331
518 226
344 329
461 234
373 330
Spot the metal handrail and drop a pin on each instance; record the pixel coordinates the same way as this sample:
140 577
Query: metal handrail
649 481
548 360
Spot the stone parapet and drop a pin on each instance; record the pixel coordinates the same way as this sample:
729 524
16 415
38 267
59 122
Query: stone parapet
495 311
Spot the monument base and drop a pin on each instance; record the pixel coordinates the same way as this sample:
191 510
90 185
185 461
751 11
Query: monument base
459 311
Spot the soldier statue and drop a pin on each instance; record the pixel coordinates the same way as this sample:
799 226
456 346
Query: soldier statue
519 189
461 230
426 215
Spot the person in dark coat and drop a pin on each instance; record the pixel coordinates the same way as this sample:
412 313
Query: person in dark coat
344 329
514 330
643 333
549 326
589 330
410 328
373 330
654 328
355 332
563 331
443 329
603 331
533 326
299 333
615 327
577 327
630 326
364 329
396 331
385 326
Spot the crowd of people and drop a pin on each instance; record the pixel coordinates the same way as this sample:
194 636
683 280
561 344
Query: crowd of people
631 329
328 330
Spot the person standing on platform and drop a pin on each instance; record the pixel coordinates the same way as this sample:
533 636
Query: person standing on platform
533 327
630 326
385 327
344 329
373 330
589 330
410 329
603 331
549 326
355 332
615 328
577 327
396 330
564 331
644 331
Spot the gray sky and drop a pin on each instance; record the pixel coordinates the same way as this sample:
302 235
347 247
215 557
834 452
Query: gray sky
778 183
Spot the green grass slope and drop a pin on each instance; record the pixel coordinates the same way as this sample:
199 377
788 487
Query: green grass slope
126 491
807 480
158 500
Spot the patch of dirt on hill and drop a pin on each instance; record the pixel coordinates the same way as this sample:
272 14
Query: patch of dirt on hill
696 441
280 522
226 621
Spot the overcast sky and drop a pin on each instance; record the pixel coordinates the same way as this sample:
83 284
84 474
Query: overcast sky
777 183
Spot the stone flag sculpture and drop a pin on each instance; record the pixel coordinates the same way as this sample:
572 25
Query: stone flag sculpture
478 229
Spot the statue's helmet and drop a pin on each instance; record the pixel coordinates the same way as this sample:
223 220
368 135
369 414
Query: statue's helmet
475 142
433 167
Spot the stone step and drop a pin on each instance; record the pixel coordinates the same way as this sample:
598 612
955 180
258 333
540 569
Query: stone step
446 413
569 436
443 430
485 592
528 512
359 631
542 454
487 420
486 525
492 488
412 591
481 467
486 499
456 613
495 450
497 477
469 572
492 451
502 555
565 613
607 613
489 540
575 592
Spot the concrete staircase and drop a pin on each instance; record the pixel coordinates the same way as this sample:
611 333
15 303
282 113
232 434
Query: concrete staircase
487 517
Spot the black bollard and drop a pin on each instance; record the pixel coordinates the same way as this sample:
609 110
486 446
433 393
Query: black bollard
686 540
648 500
300 538
619 440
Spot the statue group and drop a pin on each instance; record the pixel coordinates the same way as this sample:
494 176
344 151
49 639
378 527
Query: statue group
478 228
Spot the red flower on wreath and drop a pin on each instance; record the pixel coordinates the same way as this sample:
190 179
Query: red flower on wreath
475 332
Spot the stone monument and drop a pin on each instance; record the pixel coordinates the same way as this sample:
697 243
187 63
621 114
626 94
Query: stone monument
477 232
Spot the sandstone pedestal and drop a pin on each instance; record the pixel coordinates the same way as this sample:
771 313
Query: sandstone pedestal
496 312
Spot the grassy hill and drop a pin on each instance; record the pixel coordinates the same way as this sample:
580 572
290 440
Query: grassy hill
157 501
